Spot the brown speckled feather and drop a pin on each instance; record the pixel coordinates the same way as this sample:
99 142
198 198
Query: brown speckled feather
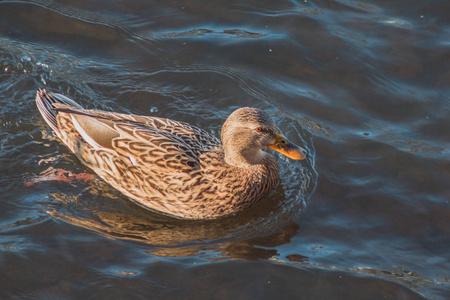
164 165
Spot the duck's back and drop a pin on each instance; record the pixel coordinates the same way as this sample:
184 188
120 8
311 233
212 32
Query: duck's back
164 165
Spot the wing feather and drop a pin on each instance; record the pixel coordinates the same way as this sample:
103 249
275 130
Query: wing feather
168 145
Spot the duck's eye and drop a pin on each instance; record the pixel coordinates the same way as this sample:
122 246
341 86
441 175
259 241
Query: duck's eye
259 129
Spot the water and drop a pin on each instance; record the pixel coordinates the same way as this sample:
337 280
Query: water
364 86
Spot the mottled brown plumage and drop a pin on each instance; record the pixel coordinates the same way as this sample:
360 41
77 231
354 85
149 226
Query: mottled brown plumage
169 166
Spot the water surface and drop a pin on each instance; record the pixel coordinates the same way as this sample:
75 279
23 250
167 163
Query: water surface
364 86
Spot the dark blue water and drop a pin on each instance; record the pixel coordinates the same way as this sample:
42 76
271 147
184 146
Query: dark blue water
364 86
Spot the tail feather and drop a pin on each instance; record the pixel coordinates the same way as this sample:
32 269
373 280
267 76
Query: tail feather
45 102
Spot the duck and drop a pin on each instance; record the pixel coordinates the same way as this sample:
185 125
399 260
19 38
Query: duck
172 167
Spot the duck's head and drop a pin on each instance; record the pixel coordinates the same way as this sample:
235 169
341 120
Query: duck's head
249 130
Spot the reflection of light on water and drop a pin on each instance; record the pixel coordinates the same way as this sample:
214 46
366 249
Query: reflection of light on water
400 275
395 22
233 33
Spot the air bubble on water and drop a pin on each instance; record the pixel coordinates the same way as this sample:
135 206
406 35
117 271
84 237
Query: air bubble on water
42 64
43 79
154 109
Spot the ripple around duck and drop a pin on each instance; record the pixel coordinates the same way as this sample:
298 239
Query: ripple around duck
100 209
121 219
232 33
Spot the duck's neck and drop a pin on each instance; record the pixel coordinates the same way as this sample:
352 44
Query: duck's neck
244 158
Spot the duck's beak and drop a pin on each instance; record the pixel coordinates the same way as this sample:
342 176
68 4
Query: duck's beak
287 148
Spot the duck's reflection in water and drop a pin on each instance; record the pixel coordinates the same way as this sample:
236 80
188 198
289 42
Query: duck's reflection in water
109 214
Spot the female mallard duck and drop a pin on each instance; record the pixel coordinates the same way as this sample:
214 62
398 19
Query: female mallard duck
173 167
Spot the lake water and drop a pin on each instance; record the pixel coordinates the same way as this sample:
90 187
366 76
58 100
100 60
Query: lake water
363 85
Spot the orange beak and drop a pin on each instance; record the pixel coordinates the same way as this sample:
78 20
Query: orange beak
287 148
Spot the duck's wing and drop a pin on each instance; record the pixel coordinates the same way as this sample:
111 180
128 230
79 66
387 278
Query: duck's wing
45 102
165 144
93 121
